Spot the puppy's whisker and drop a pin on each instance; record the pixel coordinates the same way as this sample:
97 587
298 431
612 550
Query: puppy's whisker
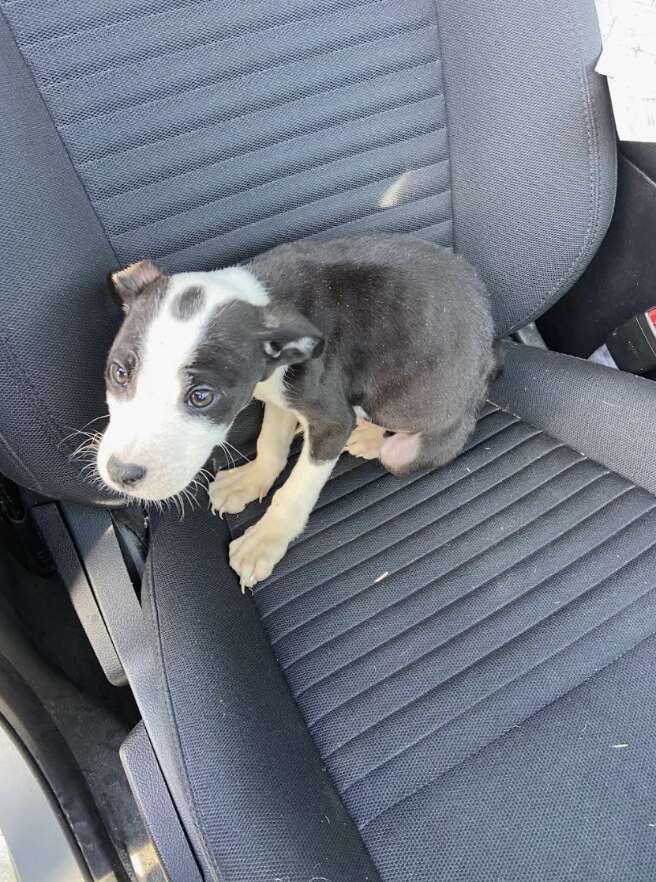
237 451
87 444
74 434
228 455
179 505
188 495
89 436
207 477
87 450
103 416
155 503
87 453
94 437
207 474
190 491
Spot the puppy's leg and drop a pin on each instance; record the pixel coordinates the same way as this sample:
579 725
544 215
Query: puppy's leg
402 453
365 440
254 555
232 489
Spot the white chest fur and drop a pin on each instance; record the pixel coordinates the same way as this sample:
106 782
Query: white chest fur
273 389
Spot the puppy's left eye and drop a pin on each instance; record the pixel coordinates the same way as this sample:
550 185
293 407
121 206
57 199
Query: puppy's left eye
119 374
200 397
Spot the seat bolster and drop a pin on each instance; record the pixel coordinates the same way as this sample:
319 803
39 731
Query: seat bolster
532 146
56 318
608 415
262 804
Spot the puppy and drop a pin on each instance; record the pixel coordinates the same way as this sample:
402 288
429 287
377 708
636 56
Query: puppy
382 345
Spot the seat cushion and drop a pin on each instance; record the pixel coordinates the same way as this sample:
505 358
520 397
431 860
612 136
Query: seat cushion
416 620
438 628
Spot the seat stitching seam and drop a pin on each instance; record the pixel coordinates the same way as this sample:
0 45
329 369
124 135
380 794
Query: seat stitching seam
20 464
229 78
455 569
526 630
431 551
63 35
367 212
213 161
278 104
594 196
386 214
527 719
446 113
284 177
505 645
440 646
43 413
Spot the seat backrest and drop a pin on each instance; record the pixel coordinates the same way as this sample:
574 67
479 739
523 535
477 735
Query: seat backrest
198 133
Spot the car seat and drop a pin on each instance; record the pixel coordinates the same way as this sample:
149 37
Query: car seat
437 679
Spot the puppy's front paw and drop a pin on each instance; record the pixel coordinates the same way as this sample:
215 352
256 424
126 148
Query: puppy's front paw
365 440
232 489
254 555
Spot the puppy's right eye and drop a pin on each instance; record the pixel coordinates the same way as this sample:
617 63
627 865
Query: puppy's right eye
118 374
200 396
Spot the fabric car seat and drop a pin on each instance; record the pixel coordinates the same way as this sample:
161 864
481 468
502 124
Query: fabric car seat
450 675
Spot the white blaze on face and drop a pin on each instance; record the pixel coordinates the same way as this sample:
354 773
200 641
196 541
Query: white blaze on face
152 428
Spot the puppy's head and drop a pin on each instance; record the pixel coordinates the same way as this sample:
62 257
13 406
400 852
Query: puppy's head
185 362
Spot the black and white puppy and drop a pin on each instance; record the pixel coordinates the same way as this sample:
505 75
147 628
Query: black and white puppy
380 344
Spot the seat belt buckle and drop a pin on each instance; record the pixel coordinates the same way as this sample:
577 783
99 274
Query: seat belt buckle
632 346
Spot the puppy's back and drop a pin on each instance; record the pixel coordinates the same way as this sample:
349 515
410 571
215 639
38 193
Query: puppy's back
384 292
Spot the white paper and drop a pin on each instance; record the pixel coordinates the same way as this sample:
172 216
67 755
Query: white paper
628 60
635 113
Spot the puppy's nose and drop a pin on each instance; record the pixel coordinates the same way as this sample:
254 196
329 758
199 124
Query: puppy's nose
125 473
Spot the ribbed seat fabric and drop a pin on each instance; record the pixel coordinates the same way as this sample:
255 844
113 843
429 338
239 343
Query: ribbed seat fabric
203 131
416 620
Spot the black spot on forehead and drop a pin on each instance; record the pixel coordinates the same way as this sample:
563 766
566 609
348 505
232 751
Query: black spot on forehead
229 344
187 303
229 358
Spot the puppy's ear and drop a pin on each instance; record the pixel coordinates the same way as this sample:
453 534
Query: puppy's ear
291 339
128 283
